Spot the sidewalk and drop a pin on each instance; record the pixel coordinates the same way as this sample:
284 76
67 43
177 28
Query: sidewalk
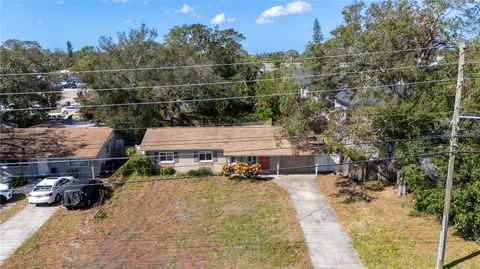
328 244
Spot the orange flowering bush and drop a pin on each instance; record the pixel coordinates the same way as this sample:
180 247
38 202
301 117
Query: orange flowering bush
244 170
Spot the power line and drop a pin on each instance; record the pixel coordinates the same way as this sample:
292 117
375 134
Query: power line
73 158
226 98
164 142
212 65
237 81
423 155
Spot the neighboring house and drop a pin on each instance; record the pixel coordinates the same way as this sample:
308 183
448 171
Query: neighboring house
187 148
39 152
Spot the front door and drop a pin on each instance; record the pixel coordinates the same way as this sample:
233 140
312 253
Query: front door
42 167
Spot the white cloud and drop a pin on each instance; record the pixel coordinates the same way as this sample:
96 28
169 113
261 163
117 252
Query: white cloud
61 2
296 7
186 9
127 21
40 21
119 1
221 19
263 21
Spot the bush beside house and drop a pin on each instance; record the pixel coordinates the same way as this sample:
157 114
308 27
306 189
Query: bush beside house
18 181
241 169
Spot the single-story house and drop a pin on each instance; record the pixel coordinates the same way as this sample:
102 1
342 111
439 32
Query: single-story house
40 152
187 148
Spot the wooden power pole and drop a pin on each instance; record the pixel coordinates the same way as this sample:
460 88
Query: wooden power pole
451 160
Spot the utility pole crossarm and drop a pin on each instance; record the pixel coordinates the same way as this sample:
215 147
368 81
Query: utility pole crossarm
470 117
451 160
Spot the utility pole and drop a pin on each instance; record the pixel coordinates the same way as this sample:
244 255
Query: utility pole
451 160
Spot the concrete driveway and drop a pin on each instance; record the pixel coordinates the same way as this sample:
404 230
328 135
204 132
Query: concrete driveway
20 227
328 244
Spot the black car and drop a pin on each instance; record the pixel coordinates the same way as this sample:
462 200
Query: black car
82 193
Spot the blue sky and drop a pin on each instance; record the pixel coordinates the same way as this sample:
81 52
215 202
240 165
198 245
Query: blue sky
267 25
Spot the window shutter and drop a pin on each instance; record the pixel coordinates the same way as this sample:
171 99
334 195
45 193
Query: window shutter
195 156
175 157
215 158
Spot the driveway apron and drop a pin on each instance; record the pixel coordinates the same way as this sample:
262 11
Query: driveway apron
328 244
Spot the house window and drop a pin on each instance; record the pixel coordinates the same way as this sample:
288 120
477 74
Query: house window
244 159
205 156
166 157
78 163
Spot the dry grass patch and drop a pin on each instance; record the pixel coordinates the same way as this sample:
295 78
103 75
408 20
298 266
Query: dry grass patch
205 223
388 233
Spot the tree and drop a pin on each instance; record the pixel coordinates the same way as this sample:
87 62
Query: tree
317 32
70 49
185 45
385 100
25 57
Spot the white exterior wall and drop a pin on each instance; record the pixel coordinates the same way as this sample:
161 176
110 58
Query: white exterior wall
327 162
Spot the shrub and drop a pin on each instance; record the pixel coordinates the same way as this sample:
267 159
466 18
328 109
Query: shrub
374 185
199 172
243 170
18 181
466 210
166 171
137 165
226 169
429 193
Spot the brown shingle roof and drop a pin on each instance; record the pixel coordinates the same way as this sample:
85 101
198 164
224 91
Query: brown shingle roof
234 141
27 143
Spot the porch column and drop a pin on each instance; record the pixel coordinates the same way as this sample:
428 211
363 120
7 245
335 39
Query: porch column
49 165
278 165
22 172
92 168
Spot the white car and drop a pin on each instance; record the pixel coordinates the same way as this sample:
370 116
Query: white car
49 190
56 116
5 193
70 109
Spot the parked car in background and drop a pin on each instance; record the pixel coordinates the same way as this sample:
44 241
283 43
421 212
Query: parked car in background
70 109
56 116
82 193
5 193
49 190
71 85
